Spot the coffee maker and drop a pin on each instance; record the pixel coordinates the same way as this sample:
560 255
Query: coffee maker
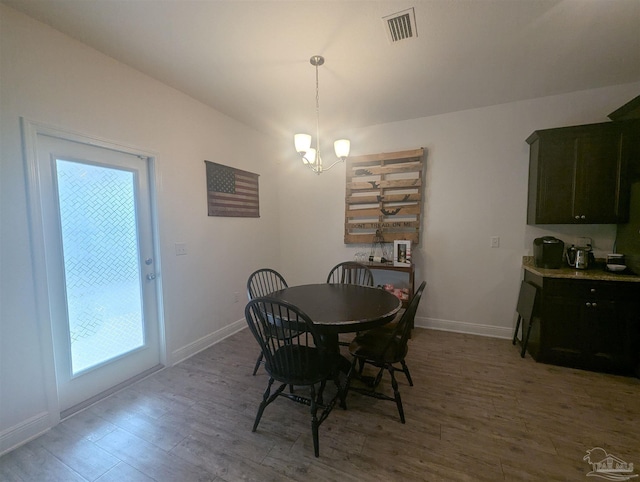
547 252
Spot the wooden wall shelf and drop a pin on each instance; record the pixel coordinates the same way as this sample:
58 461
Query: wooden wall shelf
384 193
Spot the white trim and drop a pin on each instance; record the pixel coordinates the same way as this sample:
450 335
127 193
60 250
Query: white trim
464 327
206 341
30 133
25 431
155 186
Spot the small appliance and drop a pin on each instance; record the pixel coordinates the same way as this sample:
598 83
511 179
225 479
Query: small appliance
580 257
547 252
616 262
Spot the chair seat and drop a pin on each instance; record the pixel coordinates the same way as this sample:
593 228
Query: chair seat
371 344
389 327
316 366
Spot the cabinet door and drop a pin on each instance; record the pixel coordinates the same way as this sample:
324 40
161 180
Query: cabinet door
597 177
607 346
629 312
551 180
563 335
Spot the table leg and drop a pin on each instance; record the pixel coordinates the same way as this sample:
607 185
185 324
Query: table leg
330 342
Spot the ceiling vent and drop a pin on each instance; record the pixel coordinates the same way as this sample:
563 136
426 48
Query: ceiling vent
401 25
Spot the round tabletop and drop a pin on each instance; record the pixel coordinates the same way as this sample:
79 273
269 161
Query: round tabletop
342 308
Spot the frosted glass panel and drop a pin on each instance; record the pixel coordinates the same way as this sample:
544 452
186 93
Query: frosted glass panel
100 246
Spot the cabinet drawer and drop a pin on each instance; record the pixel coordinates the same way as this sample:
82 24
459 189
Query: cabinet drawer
595 290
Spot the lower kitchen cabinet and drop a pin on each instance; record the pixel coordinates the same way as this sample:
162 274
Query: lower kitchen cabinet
589 324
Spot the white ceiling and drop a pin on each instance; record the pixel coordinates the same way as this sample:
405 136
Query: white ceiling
250 60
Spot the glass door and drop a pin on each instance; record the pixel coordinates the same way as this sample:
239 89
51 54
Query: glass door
100 266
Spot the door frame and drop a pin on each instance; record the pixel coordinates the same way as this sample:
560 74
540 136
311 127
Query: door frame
30 132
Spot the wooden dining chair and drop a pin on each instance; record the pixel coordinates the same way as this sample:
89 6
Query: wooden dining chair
264 281
301 361
388 329
261 283
385 349
352 273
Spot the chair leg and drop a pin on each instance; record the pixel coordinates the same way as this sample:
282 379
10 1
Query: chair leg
396 393
378 378
526 339
341 390
314 422
266 400
319 398
347 384
263 404
515 333
258 361
405 369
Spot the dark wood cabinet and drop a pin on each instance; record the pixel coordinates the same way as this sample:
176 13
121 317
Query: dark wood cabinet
578 175
587 324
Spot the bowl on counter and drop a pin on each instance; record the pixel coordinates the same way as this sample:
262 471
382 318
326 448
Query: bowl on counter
616 267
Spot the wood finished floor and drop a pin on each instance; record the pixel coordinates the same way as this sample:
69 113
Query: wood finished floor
477 412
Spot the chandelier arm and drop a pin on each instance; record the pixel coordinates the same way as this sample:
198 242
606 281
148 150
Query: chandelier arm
317 170
337 162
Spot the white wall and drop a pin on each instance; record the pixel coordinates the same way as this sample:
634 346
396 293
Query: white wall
52 79
476 187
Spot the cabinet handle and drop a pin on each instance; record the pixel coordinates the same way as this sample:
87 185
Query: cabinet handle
588 305
583 217
577 217
593 290
594 305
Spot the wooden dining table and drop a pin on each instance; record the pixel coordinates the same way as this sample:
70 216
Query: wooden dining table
341 308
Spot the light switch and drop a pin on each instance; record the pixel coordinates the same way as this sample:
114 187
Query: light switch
181 249
495 241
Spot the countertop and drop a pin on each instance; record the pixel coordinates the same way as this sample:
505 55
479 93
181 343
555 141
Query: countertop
597 273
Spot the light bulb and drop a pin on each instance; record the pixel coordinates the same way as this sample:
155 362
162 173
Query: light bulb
342 148
310 156
302 143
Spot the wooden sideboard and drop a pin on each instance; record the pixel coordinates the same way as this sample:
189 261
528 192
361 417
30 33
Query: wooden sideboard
379 270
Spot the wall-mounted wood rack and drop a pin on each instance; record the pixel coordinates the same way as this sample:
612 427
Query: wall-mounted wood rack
384 192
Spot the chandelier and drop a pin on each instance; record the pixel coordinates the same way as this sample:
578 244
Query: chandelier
311 156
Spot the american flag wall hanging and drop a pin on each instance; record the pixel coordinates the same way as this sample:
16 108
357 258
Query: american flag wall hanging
232 192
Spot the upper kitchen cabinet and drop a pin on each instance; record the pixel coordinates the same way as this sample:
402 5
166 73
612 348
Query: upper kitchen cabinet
631 110
578 175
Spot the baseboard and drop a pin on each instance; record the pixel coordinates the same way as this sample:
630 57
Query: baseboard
24 431
205 342
464 327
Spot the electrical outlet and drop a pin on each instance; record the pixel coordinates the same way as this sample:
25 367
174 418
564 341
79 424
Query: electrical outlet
584 242
236 297
181 249
495 241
